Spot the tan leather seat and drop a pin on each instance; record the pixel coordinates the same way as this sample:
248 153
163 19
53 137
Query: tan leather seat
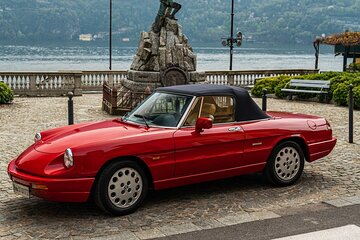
208 111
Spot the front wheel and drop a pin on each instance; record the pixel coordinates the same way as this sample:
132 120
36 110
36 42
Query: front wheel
121 188
286 164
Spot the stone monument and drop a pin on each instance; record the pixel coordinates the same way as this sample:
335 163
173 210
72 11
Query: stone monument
164 56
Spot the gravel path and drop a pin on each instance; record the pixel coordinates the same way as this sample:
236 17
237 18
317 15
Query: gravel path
197 206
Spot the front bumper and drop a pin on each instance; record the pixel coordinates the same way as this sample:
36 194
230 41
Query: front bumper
58 190
321 149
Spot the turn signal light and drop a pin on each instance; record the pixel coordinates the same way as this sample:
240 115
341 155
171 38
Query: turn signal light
39 187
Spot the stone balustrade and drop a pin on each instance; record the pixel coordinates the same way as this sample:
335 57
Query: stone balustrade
60 83
43 83
248 78
94 80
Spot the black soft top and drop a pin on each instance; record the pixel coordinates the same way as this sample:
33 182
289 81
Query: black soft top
246 108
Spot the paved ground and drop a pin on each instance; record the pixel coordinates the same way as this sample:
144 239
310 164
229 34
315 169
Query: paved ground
314 222
171 211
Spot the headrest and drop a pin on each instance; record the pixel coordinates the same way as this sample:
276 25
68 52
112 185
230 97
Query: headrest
209 108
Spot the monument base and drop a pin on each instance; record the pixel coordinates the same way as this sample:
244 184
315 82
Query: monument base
141 81
163 58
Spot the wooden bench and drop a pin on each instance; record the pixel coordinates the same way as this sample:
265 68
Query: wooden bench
307 86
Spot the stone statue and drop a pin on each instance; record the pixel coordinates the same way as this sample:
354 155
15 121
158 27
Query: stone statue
165 5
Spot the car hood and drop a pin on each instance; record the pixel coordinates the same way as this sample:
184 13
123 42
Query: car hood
45 158
58 140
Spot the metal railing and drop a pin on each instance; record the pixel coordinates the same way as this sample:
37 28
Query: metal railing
118 101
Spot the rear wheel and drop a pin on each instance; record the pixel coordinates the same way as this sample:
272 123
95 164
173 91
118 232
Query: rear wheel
286 164
121 188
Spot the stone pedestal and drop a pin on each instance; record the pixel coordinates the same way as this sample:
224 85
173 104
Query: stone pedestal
138 81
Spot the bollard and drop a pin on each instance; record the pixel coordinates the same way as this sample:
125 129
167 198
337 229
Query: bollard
351 114
70 108
264 100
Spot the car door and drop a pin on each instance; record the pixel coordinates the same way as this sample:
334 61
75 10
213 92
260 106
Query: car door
216 149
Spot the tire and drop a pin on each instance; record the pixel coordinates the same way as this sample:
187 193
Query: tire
121 188
285 165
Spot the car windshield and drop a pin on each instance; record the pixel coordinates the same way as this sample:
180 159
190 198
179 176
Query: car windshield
160 109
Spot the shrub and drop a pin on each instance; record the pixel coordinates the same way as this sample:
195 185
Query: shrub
334 78
280 86
316 76
345 77
355 67
339 88
6 94
357 97
341 93
268 83
322 76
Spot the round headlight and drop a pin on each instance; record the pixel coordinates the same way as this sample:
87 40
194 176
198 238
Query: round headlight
37 137
68 158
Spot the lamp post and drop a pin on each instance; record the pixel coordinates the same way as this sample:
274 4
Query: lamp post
229 42
232 34
110 37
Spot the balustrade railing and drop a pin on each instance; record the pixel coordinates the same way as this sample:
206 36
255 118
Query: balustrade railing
60 83
248 78
94 80
42 83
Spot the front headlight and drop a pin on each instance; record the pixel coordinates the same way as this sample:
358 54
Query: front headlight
68 158
37 137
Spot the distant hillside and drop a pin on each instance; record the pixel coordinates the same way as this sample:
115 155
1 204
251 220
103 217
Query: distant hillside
285 21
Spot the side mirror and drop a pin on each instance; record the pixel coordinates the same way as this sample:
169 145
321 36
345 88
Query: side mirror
203 123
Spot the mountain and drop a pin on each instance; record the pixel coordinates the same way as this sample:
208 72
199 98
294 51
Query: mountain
276 21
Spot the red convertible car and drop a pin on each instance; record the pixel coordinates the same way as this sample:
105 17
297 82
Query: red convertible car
180 135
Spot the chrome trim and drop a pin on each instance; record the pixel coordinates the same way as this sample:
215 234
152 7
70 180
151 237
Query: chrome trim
201 106
37 137
234 129
240 122
256 120
163 127
68 155
186 114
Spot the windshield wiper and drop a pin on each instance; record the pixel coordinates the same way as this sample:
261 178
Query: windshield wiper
144 118
125 117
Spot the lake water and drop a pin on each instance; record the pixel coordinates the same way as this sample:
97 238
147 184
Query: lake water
92 57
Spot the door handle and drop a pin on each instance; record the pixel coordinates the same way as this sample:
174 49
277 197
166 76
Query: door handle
235 129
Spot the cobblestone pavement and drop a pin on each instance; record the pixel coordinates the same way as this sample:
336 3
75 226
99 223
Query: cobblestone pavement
171 211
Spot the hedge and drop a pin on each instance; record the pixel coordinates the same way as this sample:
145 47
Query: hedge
357 97
341 92
339 86
355 67
6 94
267 83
